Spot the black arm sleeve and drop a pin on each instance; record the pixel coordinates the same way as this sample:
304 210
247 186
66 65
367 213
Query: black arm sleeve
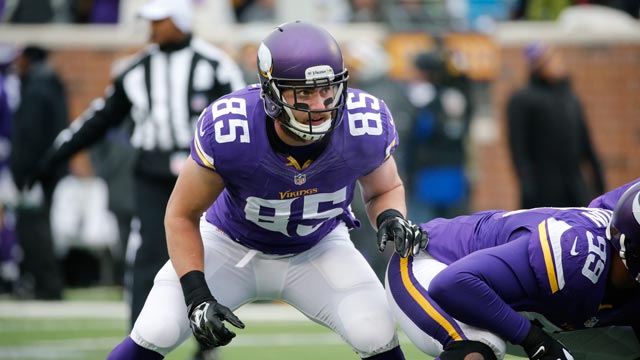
86 130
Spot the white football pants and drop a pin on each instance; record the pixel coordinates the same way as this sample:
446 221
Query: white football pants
331 284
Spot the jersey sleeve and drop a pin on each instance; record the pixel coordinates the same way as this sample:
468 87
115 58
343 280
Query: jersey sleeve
223 140
372 134
201 150
571 266
392 138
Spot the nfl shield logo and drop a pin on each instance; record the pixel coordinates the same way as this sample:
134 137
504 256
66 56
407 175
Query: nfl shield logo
300 179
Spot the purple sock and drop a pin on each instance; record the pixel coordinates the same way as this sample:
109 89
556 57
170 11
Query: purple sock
128 350
393 354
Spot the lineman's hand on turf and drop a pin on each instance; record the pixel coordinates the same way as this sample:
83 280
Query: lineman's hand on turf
541 346
205 314
206 321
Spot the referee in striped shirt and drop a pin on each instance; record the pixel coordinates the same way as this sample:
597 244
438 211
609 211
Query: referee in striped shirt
163 89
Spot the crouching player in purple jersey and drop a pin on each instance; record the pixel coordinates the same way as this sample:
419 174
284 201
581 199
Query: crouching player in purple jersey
273 168
546 283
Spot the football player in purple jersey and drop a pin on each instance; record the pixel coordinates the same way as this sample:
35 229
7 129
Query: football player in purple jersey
261 209
545 283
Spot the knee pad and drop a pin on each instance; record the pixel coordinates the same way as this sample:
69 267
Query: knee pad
369 330
457 350
161 335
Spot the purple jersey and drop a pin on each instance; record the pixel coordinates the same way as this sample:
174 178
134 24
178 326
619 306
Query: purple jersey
550 261
270 202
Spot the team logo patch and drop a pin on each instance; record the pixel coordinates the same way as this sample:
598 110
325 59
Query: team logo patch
300 179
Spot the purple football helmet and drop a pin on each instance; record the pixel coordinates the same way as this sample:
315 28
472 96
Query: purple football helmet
300 56
624 230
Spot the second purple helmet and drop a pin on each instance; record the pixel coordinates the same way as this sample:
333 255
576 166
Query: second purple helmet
624 230
299 55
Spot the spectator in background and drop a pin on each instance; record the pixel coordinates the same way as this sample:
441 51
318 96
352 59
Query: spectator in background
258 11
549 138
36 11
413 15
368 64
164 89
238 7
95 11
550 10
85 233
436 173
40 116
365 11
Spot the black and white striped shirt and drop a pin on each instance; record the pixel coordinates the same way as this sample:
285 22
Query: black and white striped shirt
163 90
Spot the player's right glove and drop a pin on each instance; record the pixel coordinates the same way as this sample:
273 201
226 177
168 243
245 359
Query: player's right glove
206 315
408 238
541 346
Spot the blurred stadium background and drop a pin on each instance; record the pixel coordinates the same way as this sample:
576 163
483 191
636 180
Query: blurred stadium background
602 47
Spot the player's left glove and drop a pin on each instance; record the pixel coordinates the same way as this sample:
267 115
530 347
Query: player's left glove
541 346
408 238
206 315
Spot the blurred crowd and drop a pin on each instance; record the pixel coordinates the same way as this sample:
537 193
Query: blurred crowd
431 15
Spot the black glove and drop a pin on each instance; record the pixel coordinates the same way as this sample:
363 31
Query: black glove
206 315
461 348
406 236
43 172
541 346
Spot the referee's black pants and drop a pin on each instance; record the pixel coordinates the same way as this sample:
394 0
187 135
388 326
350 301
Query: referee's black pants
151 195
41 272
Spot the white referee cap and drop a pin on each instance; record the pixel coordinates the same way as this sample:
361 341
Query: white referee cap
180 12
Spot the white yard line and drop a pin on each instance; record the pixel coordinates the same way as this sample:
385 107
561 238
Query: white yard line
75 348
119 310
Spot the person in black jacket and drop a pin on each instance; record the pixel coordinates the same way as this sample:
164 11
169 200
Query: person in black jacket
163 90
548 137
40 116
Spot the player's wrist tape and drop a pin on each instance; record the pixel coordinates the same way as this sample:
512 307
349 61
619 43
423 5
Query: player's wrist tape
534 337
389 213
195 289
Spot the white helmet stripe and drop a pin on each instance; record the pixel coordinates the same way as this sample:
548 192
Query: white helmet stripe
636 208
623 249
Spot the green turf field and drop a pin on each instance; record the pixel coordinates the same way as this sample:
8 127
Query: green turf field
92 340
44 330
